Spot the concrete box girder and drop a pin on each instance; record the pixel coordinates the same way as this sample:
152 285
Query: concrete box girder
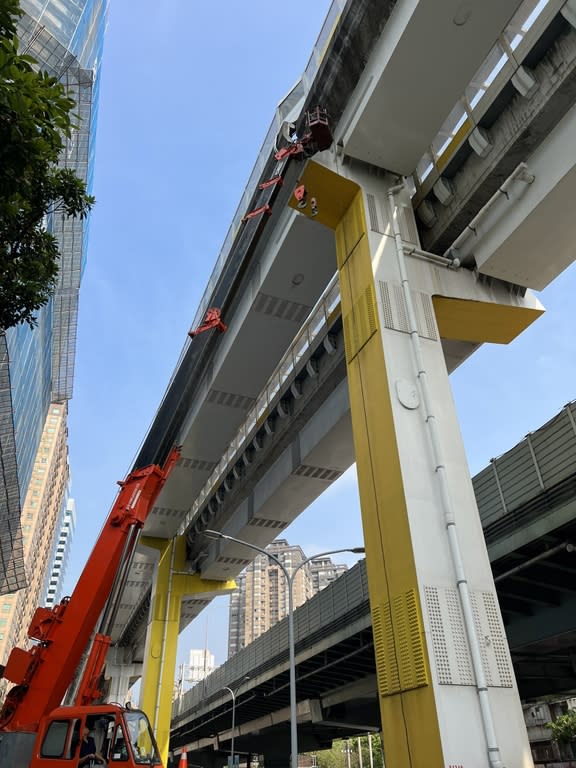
412 80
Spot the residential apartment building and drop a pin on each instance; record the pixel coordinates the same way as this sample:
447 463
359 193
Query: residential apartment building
545 750
261 597
323 572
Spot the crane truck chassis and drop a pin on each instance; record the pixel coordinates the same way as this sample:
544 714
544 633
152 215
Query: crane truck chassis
35 730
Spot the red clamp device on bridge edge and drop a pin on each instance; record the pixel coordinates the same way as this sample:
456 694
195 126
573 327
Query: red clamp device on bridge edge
211 320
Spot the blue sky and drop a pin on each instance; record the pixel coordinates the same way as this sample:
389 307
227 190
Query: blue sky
188 91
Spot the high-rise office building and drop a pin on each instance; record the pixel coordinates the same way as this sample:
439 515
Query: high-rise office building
41 513
65 527
37 366
261 597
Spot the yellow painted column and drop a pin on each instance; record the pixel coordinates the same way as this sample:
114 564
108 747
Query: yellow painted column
171 584
428 701
407 705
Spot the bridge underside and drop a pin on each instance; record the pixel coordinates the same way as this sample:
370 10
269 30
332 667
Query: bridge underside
279 279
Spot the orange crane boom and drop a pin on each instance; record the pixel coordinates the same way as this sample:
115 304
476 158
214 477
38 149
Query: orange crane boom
43 674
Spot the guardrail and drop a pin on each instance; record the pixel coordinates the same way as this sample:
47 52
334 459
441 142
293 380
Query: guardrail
335 607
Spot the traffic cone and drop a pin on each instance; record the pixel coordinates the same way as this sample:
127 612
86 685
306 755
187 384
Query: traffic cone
183 760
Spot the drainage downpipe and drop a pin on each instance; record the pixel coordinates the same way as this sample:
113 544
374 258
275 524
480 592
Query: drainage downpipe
494 757
520 173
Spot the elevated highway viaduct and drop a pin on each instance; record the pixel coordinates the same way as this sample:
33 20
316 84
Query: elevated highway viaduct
472 112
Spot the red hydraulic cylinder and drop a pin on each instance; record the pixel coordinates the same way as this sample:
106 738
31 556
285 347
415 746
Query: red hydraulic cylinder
89 688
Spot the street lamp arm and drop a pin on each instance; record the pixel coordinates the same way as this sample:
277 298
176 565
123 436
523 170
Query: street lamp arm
290 576
230 691
218 535
354 550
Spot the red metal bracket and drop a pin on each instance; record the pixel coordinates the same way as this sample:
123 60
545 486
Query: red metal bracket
257 211
211 320
294 150
271 182
301 195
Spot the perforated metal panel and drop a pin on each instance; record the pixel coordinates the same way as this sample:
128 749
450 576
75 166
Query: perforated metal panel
493 645
262 522
439 644
199 464
230 399
449 644
317 473
408 630
401 309
425 317
384 650
373 213
283 309
407 223
395 311
399 645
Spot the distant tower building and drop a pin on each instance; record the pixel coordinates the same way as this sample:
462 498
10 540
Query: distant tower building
236 615
260 600
61 551
201 665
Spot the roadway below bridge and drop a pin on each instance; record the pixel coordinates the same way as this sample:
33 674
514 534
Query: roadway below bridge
337 690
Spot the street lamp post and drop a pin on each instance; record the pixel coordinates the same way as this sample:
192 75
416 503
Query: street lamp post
231 692
291 663
233 695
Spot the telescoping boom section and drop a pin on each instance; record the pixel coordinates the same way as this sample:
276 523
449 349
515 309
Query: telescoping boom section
43 674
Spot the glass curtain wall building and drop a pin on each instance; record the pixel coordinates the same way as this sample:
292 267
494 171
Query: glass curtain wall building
37 366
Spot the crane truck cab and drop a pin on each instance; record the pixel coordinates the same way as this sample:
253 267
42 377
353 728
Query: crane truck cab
121 736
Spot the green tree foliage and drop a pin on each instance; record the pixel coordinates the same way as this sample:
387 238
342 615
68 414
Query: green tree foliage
342 749
35 119
564 727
